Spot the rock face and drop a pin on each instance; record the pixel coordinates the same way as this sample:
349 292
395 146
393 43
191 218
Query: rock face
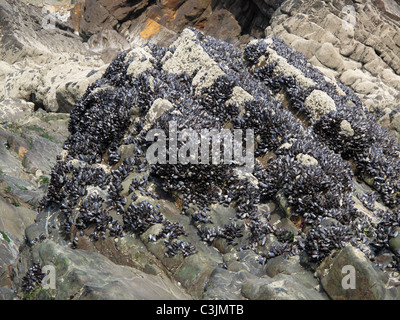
160 22
322 192
42 62
321 195
86 275
370 283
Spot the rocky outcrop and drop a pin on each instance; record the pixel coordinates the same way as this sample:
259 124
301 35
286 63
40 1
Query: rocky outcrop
355 44
43 61
26 34
323 191
29 143
161 21
390 7
371 284
84 275
323 194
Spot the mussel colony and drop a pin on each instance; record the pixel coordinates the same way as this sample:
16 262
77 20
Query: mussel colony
305 163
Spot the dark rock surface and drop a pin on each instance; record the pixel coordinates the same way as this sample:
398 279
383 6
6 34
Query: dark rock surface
160 20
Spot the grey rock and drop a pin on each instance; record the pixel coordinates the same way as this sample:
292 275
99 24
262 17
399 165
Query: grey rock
283 287
279 265
6 294
223 285
369 282
13 109
14 219
86 275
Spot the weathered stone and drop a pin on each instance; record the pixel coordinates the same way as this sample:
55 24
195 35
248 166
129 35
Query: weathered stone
306 159
279 265
141 61
157 109
369 280
222 24
6 294
14 219
87 275
282 287
223 285
346 128
350 76
329 57
13 109
319 103
354 48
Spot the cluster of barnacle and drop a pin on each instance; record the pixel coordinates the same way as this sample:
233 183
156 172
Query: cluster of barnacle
231 231
171 230
386 229
228 232
272 125
320 241
186 248
246 197
312 190
67 185
33 278
99 120
372 149
157 53
287 245
322 188
368 199
98 123
115 187
91 212
259 231
285 249
201 216
253 52
373 237
198 184
215 96
139 217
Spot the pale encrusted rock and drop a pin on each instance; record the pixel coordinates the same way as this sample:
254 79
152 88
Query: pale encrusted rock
157 109
13 109
319 103
141 61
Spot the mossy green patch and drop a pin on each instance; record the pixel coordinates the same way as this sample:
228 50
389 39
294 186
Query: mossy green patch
47 136
21 187
5 237
44 179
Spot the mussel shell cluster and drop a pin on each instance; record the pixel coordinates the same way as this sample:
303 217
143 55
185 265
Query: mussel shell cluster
112 115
